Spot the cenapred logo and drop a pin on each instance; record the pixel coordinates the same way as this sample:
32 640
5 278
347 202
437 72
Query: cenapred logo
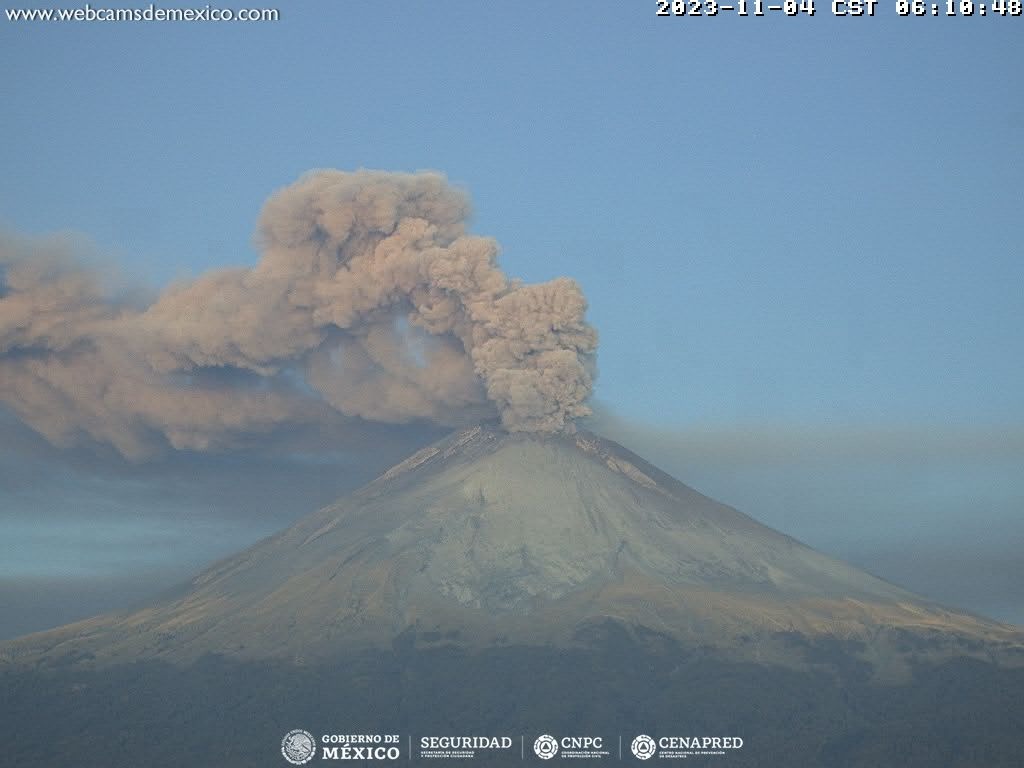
681 747
298 746
643 747
545 747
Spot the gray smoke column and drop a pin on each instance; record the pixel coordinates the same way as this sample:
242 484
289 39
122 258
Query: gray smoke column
369 301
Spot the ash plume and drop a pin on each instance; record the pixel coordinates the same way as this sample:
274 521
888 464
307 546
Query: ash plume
369 302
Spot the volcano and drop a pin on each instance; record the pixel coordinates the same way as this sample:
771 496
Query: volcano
489 537
497 555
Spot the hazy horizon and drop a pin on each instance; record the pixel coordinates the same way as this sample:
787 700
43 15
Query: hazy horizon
137 541
799 239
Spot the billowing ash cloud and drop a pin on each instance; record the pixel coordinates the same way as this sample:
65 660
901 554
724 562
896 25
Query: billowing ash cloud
369 301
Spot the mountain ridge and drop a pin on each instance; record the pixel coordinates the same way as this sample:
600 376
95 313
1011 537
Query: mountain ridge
487 538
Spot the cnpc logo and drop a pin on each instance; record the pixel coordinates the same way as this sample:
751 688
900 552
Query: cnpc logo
547 746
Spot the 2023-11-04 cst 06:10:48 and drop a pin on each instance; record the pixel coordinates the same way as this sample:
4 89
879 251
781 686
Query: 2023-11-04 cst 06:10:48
838 7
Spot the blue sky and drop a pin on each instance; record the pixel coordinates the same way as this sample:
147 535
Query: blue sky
780 223
773 218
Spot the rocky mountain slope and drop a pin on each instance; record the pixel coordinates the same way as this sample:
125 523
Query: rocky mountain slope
488 538
523 585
